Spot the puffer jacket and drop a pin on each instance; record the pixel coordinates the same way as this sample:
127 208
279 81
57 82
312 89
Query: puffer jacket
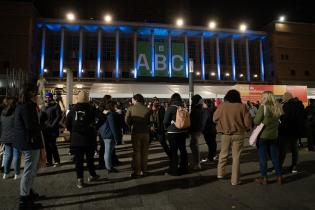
7 126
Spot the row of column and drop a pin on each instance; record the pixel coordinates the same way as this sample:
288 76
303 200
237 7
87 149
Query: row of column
99 50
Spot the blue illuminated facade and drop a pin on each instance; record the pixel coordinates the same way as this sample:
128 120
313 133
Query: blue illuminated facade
112 51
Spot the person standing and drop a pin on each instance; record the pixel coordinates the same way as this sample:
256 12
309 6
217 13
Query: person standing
198 120
7 138
233 121
290 129
156 125
210 132
28 139
268 113
310 124
137 117
111 134
50 117
176 137
81 124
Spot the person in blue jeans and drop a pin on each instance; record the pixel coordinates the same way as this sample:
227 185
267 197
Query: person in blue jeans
28 139
268 113
7 138
111 134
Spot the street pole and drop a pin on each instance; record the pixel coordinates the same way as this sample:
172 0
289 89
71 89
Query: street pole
191 81
69 89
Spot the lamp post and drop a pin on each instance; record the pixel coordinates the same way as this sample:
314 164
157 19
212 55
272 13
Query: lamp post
69 89
191 81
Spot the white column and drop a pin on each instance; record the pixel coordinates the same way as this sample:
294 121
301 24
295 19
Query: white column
247 60
233 60
218 58
99 55
262 66
202 57
135 54
80 54
42 59
69 96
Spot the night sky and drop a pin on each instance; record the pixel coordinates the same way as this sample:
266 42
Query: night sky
228 14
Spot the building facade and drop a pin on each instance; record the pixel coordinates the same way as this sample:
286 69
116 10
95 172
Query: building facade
95 51
291 52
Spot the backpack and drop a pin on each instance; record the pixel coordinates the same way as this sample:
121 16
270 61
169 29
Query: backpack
182 118
82 120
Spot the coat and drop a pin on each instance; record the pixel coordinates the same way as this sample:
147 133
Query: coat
170 118
7 126
138 118
28 134
50 118
232 118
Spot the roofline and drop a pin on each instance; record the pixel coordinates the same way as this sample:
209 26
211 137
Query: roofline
150 25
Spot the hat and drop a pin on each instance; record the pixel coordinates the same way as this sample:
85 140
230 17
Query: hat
49 95
287 96
83 97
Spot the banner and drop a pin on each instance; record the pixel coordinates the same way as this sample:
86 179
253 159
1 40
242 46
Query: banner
161 57
250 92
144 61
178 60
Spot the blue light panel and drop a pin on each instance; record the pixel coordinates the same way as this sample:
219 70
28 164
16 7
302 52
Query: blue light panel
99 46
218 58
202 57
42 59
117 55
61 53
233 60
80 54
262 67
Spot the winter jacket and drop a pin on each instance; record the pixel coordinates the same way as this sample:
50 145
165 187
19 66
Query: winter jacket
137 117
28 134
170 118
50 118
209 124
293 120
198 119
7 126
111 129
86 138
232 118
271 123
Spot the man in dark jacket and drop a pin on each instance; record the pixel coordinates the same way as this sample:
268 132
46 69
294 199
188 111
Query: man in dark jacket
290 129
50 117
81 124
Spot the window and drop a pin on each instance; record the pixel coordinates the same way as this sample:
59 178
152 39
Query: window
307 73
292 72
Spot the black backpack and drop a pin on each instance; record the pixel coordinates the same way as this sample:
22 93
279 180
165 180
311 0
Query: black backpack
83 119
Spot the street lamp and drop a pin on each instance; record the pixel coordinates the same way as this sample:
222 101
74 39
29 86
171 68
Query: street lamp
70 16
213 74
241 75
243 27
108 18
179 22
282 18
45 70
212 25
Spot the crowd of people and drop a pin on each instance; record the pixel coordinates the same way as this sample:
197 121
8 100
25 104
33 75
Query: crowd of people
32 131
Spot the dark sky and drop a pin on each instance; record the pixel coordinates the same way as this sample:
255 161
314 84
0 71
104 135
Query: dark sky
229 14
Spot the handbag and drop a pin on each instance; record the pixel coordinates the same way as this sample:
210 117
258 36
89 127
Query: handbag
256 132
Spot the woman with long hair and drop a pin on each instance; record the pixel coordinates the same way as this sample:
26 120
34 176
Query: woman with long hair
268 113
28 139
232 122
8 137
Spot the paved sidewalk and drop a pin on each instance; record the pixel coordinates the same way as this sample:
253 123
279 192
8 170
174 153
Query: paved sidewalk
197 190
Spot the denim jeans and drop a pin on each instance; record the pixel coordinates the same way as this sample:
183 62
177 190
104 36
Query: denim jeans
11 153
109 148
264 147
196 139
31 161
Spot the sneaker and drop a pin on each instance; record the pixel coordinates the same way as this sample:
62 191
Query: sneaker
113 170
93 178
294 170
204 160
17 176
5 176
80 183
238 183
57 164
220 177
215 158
